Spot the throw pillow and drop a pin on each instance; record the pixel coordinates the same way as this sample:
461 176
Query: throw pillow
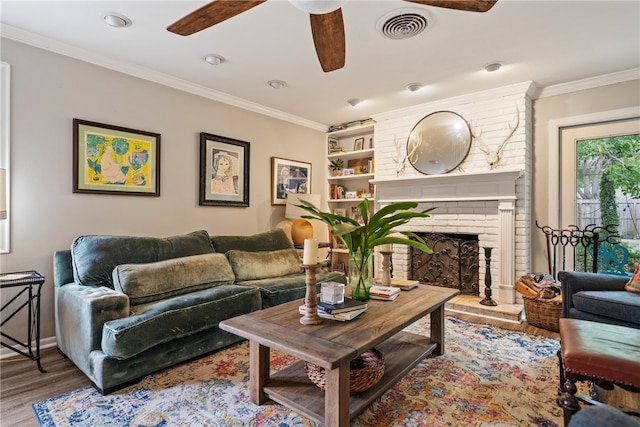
633 285
164 279
265 264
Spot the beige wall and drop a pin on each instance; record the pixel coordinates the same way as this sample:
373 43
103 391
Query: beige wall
579 103
49 90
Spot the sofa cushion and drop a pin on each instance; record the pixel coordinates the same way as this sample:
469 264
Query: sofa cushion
264 265
95 257
278 290
169 319
163 279
619 305
272 240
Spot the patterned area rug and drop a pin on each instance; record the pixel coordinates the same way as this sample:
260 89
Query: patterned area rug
488 377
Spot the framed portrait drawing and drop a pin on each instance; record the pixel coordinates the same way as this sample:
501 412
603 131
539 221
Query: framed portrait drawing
288 176
111 159
224 171
358 144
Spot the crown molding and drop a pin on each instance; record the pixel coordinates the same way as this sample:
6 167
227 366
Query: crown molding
26 37
589 83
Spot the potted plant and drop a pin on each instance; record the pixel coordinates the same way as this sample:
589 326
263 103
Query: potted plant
336 167
373 230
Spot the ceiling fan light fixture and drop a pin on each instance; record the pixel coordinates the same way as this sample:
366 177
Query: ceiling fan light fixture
413 87
317 7
493 66
116 20
277 84
214 59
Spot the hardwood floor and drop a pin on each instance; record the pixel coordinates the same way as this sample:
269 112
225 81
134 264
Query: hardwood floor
21 384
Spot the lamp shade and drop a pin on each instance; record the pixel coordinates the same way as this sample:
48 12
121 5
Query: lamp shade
3 194
294 212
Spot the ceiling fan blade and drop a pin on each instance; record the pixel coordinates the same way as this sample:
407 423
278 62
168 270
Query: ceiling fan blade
328 37
211 14
467 5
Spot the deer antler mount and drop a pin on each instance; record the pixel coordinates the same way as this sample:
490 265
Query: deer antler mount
494 157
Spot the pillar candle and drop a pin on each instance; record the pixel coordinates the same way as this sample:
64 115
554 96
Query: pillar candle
310 254
386 247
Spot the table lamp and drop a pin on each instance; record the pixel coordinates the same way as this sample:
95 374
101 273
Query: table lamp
300 228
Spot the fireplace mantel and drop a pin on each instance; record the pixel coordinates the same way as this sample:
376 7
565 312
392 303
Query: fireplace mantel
454 187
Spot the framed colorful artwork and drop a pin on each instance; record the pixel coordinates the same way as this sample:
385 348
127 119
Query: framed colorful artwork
288 176
115 160
224 171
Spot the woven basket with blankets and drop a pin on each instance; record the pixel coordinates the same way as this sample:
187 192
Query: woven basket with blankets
542 299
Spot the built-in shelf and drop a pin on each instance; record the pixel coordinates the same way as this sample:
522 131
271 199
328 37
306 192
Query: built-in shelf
348 155
349 177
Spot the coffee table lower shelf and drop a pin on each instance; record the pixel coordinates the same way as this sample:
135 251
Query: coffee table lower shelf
292 388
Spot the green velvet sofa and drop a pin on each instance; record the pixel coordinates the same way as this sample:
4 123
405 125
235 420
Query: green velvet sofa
127 306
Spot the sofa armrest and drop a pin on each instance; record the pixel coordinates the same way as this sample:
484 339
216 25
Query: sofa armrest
576 281
81 311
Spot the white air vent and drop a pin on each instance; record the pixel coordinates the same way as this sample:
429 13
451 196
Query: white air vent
403 23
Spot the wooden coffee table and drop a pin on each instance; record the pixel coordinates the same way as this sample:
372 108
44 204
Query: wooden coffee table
332 345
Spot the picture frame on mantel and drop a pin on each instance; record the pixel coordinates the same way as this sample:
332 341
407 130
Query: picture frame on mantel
110 159
224 171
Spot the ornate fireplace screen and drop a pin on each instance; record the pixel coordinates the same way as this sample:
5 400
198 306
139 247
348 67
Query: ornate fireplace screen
594 249
454 262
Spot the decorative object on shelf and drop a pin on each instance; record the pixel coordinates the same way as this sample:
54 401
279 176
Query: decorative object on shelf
361 239
365 371
301 229
358 144
288 176
224 171
439 143
111 159
487 280
336 166
493 157
348 171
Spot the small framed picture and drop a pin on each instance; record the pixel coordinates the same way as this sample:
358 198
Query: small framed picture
358 144
288 176
340 211
350 194
355 214
348 171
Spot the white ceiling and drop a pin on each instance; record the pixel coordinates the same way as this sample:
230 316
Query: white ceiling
547 42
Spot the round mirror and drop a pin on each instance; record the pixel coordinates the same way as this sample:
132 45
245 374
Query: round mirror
439 143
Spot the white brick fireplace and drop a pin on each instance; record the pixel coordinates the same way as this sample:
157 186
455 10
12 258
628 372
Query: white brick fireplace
473 199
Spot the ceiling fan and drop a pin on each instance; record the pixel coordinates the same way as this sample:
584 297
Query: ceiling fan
327 26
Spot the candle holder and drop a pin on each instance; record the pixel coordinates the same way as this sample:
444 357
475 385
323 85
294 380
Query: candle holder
386 268
311 297
487 280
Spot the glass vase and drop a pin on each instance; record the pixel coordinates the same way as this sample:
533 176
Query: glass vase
360 276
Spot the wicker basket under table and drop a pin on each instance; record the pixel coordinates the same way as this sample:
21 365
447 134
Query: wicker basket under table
366 371
543 313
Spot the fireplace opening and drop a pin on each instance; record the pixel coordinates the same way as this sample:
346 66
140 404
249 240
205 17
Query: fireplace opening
454 262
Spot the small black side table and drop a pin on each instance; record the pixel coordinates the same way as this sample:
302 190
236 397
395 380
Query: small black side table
31 283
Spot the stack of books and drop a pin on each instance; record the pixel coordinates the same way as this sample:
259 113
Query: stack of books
346 310
403 284
387 293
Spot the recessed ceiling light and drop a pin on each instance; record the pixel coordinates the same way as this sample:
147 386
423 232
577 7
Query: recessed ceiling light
117 20
277 84
214 59
354 102
494 66
412 87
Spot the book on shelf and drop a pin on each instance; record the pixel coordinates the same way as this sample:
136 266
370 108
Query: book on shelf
341 317
403 284
348 305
